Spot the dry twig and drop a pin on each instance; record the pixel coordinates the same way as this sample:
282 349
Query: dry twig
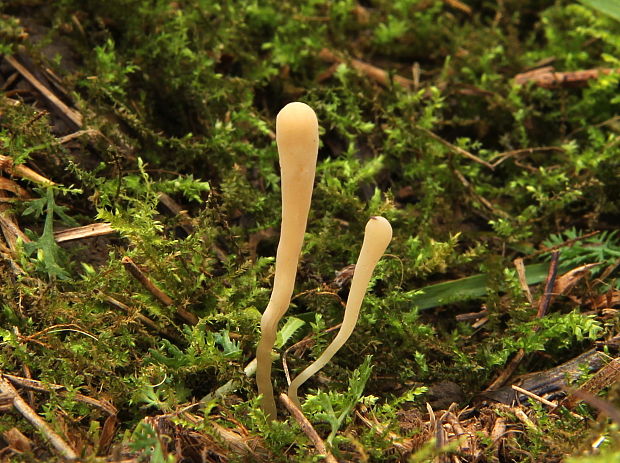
459 6
546 77
465 440
305 342
71 115
485 202
78 134
6 164
562 245
142 318
35 385
375 73
145 281
501 157
63 448
518 263
543 305
85 231
531 395
307 428
454 148
545 299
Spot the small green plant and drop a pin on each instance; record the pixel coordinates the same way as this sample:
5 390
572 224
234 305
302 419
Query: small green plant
335 407
602 248
145 440
47 255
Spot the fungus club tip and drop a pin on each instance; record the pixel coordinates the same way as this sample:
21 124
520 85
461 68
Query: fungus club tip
296 106
297 137
298 115
380 229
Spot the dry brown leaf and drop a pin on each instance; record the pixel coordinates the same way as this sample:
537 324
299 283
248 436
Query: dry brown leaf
107 435
607 300
564 283
17 441
9 185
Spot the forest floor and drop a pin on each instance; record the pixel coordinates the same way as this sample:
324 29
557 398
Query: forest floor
140 211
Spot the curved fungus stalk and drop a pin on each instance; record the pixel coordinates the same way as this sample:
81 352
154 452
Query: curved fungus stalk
297 137
377 236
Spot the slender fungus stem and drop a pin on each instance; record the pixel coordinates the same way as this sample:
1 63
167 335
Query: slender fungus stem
377 236
297 137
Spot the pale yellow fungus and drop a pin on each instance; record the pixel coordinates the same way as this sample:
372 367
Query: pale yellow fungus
377 236
297 137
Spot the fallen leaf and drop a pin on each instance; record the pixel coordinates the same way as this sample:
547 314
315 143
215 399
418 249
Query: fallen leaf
564 283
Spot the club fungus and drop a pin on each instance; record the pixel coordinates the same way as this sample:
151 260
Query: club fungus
297 137
377 236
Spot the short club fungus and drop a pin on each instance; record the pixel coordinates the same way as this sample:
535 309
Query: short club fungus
377 236
297 137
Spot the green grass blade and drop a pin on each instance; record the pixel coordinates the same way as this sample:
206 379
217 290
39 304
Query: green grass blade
470 287
609 8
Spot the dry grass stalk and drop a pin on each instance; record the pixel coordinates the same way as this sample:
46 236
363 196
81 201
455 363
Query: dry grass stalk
35 385
546 77
307 428
20 170
59 444
85 231
73 116
146 282
375 73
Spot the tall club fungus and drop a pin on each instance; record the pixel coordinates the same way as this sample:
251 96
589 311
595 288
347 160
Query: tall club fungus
377 236
297 137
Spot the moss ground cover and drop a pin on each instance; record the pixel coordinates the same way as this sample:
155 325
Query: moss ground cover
485 132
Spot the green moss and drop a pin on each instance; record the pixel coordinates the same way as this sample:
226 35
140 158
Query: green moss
184 96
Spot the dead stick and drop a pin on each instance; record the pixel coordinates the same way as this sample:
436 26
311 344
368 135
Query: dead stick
459 5
501 157
22 171
72 115
472 316
507 372
35 385
542 310
518 263
463 438
456 149
375 73
85 231
481 199
142 318
549 79
139 275
307 428
545 299
185 220
301 344
26 369
21 406
542 400
531 395
564 244
78 134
